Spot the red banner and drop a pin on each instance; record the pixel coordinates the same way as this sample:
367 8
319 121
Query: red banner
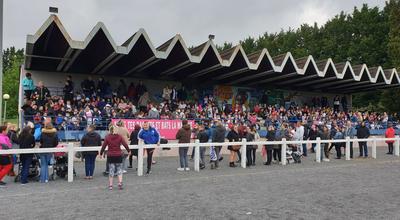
167 128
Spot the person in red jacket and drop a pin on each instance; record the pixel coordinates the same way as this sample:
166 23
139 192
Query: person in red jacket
114 155
390 133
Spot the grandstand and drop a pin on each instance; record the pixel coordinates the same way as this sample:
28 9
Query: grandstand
52 55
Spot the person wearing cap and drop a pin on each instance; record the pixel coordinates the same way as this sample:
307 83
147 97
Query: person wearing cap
390 133
28 85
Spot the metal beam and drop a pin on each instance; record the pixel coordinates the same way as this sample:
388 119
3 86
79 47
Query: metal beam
151 59
253 76
318 81
350 85
339 81
205 71
371 87
284 76
176 68
298 80
233 73
47 57
64 61
72 60
109 64
104 62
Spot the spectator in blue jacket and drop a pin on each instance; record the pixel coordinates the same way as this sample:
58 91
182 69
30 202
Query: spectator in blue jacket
149 135
28 85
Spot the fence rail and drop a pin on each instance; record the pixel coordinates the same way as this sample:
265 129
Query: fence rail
71 150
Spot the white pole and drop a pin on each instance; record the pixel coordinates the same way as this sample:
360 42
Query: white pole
374 147
396 146
244 155
318 150
197 156
355 142
1 58
347 148
140 158
71 162
5 110
283 151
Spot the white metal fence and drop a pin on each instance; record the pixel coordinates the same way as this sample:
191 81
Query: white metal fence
71 150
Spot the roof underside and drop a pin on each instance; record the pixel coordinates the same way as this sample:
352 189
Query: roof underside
52 49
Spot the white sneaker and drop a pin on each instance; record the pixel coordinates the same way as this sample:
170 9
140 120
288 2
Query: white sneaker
187 168
181 169
124 171
325 160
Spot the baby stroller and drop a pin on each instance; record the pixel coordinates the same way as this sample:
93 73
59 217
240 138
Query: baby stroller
292 155
60 165
33 172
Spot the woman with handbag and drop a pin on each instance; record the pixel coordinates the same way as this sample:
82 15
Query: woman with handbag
90 139
26 141
233 136
5 160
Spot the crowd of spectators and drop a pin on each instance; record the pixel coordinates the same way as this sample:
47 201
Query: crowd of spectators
98 103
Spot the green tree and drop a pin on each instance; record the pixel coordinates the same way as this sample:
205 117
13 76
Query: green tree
13 60
391 98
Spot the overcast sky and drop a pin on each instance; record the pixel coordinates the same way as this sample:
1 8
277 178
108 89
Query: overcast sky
229 20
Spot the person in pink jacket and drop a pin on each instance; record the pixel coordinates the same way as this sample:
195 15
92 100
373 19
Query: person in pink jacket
390 133
5 160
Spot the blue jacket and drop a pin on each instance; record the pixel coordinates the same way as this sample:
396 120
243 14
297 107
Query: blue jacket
28 84
150 136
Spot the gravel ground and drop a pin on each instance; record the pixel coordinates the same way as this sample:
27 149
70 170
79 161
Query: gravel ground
357 189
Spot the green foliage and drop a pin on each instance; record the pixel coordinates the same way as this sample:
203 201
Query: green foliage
13 60
391 98
367 35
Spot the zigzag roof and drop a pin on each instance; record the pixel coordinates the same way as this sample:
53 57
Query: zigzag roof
52 49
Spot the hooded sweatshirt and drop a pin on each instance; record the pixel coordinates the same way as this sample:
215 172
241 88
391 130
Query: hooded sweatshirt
184 133
90 139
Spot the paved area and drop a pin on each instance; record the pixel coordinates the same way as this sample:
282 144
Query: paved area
357 189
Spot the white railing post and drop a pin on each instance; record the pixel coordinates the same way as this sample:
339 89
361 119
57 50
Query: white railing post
140 158
374 147
318 150
71 155
347 148
397 146
283 151
355 142
197 156
244 155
